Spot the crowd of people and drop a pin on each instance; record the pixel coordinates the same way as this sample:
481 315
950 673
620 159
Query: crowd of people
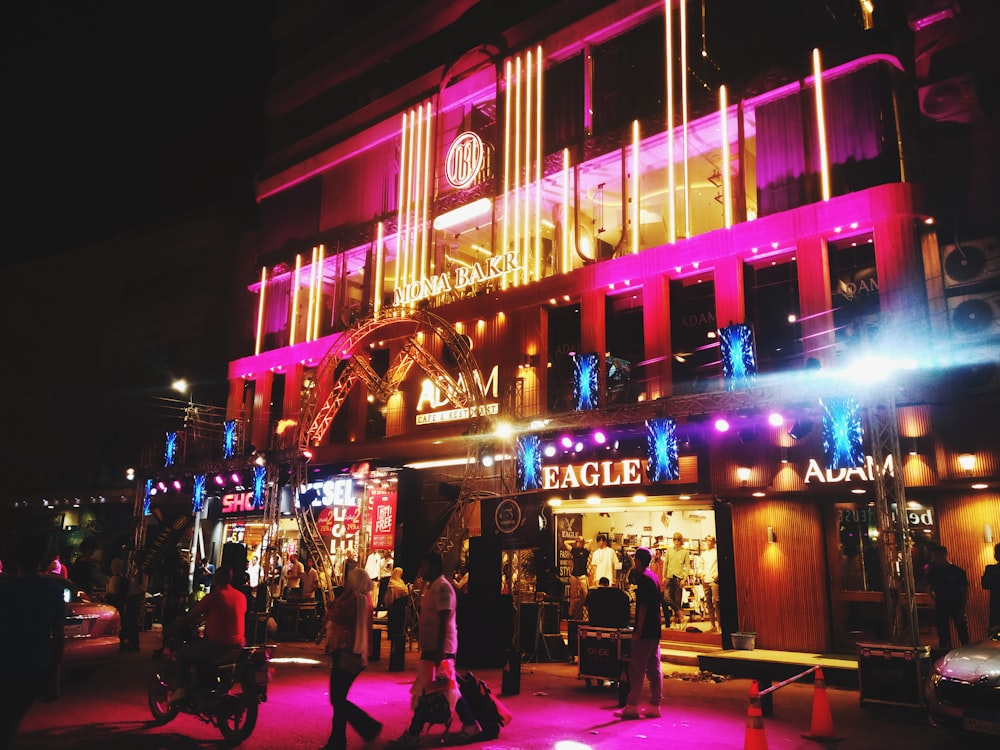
654 577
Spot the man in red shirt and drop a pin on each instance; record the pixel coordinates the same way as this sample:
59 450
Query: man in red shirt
224 611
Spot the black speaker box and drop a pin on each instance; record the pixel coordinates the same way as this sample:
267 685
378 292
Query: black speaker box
551 648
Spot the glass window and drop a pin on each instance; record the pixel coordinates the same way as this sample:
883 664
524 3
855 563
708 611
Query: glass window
625 346
563 345
696 364
772 303
629 77
855 294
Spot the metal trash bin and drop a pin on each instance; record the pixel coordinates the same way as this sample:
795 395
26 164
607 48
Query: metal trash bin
893 675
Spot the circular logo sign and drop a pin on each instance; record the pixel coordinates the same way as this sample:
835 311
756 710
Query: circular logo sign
465 159
507 516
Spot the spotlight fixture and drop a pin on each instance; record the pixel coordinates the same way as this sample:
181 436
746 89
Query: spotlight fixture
722 424
743 473
577 447
567 441
800 428
487 460
219 480
177 484
236 478
549 450
966 461
600 438
775 419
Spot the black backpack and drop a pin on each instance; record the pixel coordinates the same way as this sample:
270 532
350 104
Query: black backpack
479 698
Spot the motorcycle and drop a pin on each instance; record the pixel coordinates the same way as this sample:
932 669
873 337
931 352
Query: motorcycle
226 693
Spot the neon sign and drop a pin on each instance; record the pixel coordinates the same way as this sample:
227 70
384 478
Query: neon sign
865 473
593 474
457 279
465 159
431 397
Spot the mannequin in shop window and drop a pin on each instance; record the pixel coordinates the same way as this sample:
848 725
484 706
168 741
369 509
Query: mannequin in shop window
675 572
708 569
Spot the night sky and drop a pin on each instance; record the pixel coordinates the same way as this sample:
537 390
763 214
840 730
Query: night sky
118 114
119 118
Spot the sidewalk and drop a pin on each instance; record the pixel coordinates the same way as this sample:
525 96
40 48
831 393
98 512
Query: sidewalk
554 708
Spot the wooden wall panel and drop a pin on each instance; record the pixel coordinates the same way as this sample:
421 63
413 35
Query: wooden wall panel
781 587
962 519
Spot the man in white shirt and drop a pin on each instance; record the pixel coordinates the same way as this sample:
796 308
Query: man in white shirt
708 568
603 560
437 634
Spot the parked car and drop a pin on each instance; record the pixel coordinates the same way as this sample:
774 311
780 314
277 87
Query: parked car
92 630
963 692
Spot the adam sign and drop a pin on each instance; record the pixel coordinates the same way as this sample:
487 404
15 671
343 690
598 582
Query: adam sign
864 473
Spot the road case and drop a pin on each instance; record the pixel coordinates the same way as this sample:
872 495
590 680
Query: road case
893 675
603 653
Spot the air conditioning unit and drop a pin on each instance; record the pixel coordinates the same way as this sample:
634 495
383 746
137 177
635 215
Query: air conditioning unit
951 100
970 262
975 316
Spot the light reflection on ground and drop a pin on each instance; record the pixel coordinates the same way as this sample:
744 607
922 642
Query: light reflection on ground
294 660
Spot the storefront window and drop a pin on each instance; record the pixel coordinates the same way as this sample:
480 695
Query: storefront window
858 535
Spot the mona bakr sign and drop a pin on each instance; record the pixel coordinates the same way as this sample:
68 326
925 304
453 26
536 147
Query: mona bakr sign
864 473
456 279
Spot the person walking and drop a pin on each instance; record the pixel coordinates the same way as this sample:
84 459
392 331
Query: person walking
437 634
645 657
950 589
991 582
31 636
348 623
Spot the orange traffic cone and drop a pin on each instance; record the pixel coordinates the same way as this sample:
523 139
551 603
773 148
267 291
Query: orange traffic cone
821 728
755 738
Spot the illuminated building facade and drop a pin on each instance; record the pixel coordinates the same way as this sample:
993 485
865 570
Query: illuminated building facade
566 281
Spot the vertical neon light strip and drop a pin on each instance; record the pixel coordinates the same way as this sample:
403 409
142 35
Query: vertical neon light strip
379 268
671 172
517 159
565 214
260 310
311 305
295 300
635 186
538 164
506 168
416 267
824 157
727 187
404 208
408 203
684 119
321 259
426 260
526 200
399 204
528 172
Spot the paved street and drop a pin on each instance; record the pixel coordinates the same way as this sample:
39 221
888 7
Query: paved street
553 711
